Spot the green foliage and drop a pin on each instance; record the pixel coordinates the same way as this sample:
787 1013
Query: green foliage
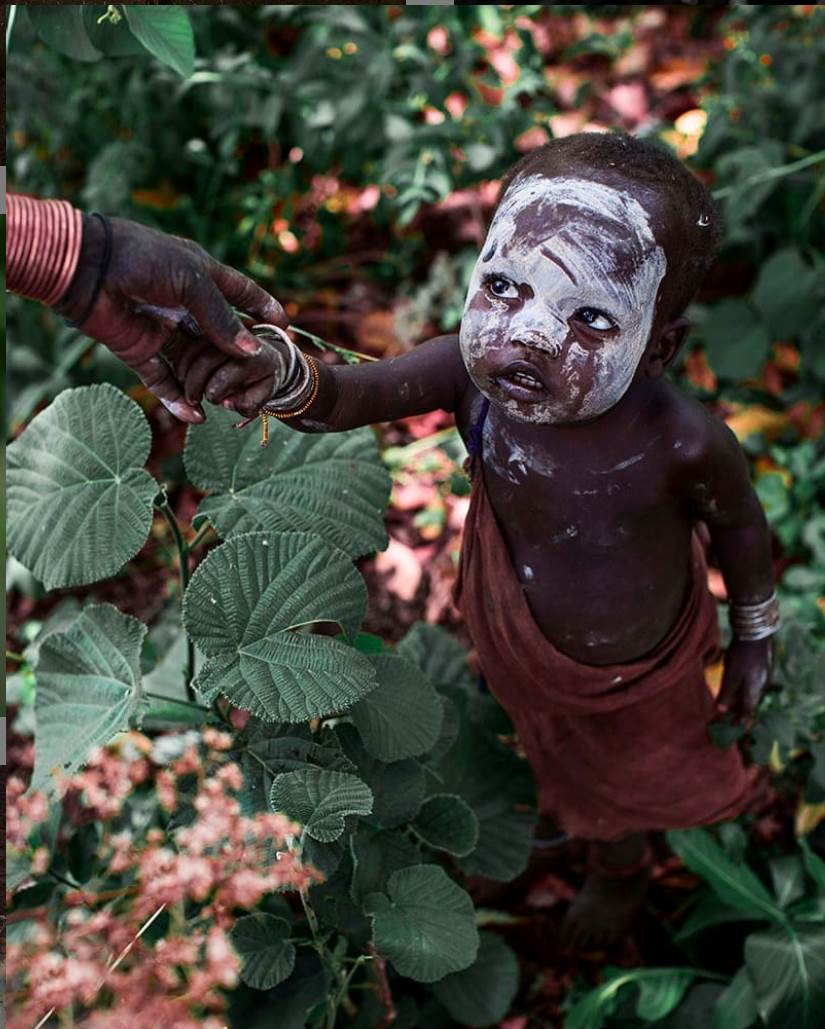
397 773
81 33
88 689
482 993
79 499
242 608
424 924
293 483
781 982
267 958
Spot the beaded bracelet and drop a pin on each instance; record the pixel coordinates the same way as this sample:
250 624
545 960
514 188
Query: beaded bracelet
268 412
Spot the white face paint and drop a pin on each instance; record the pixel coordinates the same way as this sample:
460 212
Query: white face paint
566 284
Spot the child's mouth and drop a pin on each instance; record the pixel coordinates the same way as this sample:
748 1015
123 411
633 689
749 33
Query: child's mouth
520 381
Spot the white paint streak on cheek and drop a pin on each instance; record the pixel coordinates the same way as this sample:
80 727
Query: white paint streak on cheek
527 572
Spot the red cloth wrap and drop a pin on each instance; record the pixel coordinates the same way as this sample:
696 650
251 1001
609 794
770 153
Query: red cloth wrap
610 757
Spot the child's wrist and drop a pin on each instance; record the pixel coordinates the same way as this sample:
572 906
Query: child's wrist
299 390
752 622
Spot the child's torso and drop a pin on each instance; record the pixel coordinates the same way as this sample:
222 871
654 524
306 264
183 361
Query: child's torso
598 537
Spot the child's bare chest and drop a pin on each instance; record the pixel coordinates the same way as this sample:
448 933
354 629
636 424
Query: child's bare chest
598 541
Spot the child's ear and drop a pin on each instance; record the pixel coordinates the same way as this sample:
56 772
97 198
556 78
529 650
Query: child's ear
661 353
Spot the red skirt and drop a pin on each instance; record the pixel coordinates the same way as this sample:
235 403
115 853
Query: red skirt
615 749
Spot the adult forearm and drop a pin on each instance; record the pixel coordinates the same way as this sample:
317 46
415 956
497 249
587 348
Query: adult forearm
43 242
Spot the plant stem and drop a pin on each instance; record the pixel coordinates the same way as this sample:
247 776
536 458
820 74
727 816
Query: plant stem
348 355
183 556
197 539
174 700
328 959
11 655
772 173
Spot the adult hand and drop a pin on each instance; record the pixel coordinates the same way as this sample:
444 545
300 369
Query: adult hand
164 295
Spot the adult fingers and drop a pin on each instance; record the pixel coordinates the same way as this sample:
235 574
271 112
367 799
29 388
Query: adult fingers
752 693
220 326
247 296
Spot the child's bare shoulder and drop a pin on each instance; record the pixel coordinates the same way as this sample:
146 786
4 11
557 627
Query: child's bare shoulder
699 441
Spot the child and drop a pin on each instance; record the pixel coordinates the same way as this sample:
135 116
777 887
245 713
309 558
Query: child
582 579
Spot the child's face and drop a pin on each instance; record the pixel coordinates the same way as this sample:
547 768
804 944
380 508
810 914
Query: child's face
564 291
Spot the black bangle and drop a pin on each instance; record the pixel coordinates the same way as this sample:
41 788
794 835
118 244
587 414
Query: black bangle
101 272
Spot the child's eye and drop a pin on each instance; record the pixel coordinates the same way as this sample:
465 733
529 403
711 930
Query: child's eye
595 319
500 287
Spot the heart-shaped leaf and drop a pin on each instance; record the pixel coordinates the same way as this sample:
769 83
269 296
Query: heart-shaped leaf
79 500
242 607
398 787
446 822
267 958
376 853
331 484
402 718
88 689
63 29
320 800
424 923
482 993
787 970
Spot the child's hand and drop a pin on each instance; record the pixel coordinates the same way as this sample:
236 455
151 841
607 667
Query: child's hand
746 675
240 385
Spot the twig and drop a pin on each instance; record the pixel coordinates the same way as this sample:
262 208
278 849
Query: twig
384 991
183 555
114 965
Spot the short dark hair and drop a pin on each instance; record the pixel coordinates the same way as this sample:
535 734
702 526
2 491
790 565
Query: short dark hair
688 204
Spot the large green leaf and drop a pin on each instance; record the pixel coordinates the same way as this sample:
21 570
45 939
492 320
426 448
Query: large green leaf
440 656
376 853
733 883
166 32
267 957
265 750
242 608
424 924
79 500
398 787
320 800
446 822
787 970
736 1005
482 993
402 718
785 292
788 877
63 29
332 484
737 340
660 990
500 788
88 689
709 911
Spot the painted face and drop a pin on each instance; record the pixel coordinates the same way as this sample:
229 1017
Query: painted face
561 300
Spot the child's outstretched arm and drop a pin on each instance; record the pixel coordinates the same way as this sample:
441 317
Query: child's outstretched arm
723 497
429 377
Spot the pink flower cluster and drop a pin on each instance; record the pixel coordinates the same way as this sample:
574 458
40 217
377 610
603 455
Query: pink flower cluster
98 966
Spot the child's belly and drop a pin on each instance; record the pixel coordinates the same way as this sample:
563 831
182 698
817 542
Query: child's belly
608 598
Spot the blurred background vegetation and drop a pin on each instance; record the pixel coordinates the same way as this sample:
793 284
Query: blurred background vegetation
348 158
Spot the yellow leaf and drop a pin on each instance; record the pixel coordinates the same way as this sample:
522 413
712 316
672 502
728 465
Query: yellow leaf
713 677
756 418
808 817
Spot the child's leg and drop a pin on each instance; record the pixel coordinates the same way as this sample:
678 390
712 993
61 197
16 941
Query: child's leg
616 883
